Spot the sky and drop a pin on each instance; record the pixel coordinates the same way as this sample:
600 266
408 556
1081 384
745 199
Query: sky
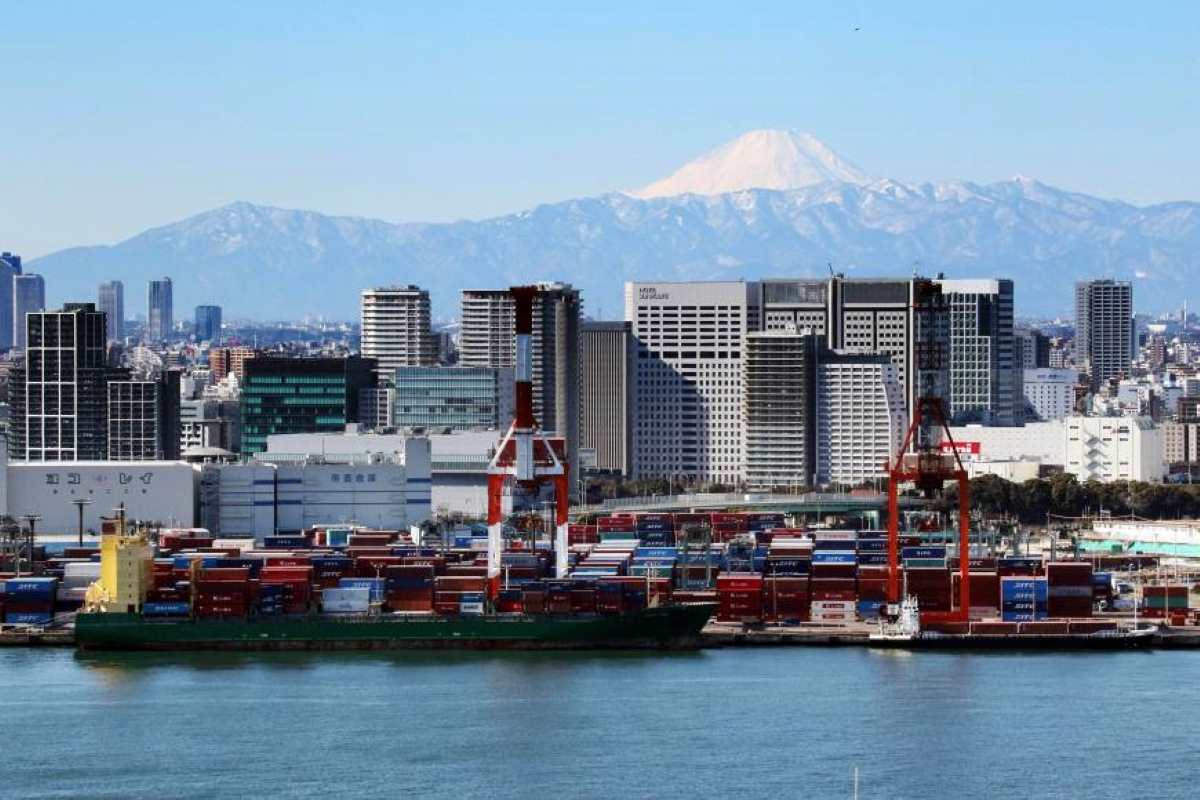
123 116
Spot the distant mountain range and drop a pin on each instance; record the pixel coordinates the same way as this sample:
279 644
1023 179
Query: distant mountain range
714 223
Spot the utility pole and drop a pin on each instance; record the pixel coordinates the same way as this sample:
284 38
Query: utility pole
81 503
31 520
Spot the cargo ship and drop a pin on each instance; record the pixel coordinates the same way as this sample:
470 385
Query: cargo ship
675 627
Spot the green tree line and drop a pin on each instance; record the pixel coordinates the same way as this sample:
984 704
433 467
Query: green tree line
1064 495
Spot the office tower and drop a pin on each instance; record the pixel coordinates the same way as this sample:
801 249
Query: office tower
395 328
608 354
1104 340
10 268
160 316
453 397
300 395
207 326
1032 349
58 396
112 303
885 316
778 402
224 360
860 417
488 340
1050 393
29 295
143 418
688 378
985 379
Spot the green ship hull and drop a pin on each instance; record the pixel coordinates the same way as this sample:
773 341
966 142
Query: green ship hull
665 628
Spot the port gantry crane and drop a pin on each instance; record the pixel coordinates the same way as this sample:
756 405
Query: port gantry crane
526 456
925 458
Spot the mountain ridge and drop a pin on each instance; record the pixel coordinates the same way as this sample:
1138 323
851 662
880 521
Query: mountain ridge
308 262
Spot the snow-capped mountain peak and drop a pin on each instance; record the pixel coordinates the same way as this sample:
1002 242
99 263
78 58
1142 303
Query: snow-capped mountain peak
761 159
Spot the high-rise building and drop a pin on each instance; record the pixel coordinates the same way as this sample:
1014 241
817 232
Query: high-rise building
882 316
488 339
1104 331
224 360
59 395
688 378
395 328
985 379
111 298
453 397
778 403
207 325
606 396
300 395
143 418
1032 349
160 315
377 407
29 295
10 268
1050 393
860 418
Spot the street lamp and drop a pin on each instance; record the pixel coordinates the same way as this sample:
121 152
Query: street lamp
80 503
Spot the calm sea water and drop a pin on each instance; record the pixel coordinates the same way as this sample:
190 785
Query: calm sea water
723 724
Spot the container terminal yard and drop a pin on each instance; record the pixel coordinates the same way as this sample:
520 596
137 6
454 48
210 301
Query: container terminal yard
767 583
621 580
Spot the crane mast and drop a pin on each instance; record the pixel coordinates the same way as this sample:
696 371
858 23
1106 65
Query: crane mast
525 456
921 459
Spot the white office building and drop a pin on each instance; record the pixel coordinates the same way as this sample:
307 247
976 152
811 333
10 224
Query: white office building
1051 392
688 378
860 418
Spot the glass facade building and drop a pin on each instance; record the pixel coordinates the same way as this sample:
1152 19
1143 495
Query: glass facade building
453 397
300 395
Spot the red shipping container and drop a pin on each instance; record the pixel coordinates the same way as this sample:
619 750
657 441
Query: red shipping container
219 574
739 581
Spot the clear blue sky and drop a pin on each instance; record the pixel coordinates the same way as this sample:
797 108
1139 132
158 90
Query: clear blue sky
121 116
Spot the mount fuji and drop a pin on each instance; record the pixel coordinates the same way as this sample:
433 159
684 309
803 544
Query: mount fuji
768 204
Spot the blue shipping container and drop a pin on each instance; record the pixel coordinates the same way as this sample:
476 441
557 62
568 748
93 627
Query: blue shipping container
28 617
31 588
922 552
834 544
827 557
166 609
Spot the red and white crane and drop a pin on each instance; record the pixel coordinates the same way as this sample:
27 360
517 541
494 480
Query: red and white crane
527 457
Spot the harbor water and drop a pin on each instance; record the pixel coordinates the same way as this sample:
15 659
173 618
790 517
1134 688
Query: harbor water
722 724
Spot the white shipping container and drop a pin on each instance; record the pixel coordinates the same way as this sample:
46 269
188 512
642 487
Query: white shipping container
346 601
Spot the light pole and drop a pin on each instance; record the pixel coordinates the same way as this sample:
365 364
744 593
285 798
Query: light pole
31 520
81 503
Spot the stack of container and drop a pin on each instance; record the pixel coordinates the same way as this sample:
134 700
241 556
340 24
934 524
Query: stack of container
833 587
1163 601
1029 566
788 555
29 601
656 530
449 589
329 569
617 528
297 585
985 593
409 587
931 587
578 533
696 569
923 557
1102 587
1069 589
726 527
270 600
222 592
786 598
654 562
1023 599
740 597
620 595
